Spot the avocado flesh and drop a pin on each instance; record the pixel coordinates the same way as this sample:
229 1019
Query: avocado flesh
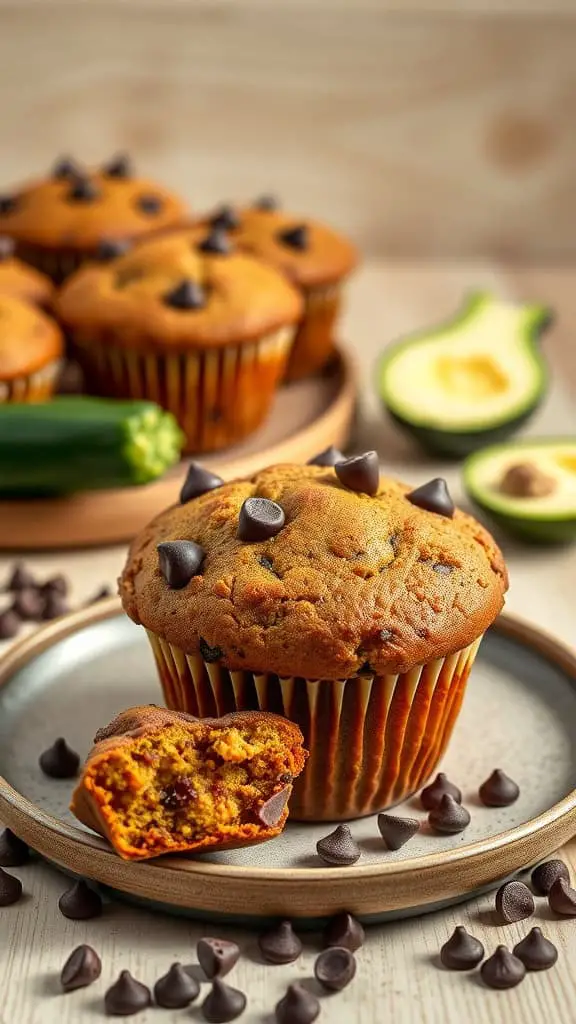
546 518
470 382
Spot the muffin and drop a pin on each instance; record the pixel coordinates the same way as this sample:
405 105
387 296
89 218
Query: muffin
187 321
315 258
345 601
59 222
163 782
31 349
20 280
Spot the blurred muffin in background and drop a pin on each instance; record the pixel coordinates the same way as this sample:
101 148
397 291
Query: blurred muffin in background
61 221
20 280
314 257
31 349
191 323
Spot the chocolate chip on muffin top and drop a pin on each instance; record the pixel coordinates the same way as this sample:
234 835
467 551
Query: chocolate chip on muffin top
335 580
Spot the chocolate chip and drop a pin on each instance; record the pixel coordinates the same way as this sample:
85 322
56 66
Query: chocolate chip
59 584
225 218
210 654
176 989
55 605
266 202
260 519
149 204
361 473
502 969
21 578
562 898
335 968
65 167
198 481
396 831
59 761
28 605
80 902
82 967
119 167
280 945
10 889
536 952
101 594
329 457
544 876
499 790
298 1006
180 561
433 497
268 564
449 817
185 296
223 1003
272 809
296 237
6 247
9 624
82 190
13 851
217 957
462 952
514 902
126 996
339 847
178 795
344 930
442 568
110 248
431 796
8 204
216 242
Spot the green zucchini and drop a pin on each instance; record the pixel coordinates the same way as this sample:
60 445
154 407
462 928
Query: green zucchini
76 443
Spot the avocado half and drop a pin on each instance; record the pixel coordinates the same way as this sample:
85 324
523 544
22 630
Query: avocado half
470 382
527 487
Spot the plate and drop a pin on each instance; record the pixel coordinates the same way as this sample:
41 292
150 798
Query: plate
306 417
519 714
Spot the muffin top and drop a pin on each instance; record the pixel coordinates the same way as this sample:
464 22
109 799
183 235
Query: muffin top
29 339
20 280
309 253
342 582
184 289
76 209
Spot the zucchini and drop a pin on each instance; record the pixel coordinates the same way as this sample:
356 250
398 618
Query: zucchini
76 443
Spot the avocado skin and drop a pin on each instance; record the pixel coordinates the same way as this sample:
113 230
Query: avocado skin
533 531
457 445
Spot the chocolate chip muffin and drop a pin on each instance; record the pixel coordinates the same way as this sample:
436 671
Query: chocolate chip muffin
31 350
188 321
61 221
345 601
22 281
161 781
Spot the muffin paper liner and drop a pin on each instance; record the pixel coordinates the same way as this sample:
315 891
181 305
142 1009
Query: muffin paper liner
373 740
56 264
314 340
219 396
32 387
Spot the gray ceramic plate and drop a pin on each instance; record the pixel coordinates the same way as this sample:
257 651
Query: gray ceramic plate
519 714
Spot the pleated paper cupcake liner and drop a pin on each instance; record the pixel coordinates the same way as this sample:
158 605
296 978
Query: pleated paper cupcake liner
373 740
58 264
31 387
314 340
219 396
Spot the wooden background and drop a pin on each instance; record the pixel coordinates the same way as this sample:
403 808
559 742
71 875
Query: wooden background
425 129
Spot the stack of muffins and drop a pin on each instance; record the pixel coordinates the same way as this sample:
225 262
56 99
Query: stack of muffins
205 316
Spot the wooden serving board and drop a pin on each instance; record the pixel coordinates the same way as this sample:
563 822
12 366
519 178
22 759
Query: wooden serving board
307 417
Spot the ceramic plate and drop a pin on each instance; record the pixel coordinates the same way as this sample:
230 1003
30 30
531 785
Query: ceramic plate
519 714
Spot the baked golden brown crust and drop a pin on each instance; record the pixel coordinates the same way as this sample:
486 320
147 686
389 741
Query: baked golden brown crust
245 299
350 579
42 213
161 781
29 339
26 283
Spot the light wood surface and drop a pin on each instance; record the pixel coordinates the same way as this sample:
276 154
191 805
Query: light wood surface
398 978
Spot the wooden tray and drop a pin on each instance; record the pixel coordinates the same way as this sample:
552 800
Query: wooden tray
519 714
307 417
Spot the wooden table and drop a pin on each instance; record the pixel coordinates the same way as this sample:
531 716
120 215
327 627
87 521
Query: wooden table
398 979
